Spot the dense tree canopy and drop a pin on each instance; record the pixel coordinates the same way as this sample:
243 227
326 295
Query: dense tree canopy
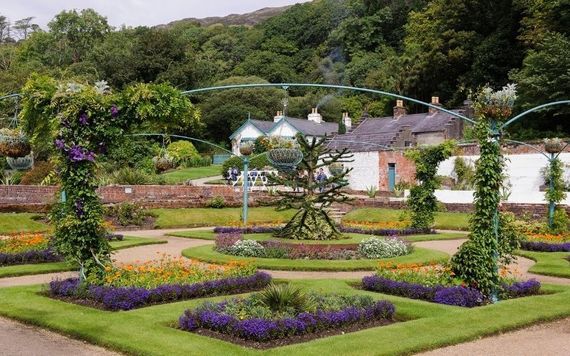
418 48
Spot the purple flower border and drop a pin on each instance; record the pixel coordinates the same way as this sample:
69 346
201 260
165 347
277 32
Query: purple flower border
545 246
454 295
30 257
127 298
345 229
264 330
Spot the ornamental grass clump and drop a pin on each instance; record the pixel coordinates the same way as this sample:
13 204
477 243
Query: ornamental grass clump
253 320
376 247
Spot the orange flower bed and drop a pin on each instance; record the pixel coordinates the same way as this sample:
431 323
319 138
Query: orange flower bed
23 242
547 237
377 225
170 270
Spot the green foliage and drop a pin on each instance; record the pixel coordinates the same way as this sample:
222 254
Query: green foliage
422 201
493 238
555 189
182 151
560 221
284 297
216 202
311 220
464 174
371 191
132 176
128 213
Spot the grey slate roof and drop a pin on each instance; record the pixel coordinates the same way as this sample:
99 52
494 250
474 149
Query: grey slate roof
373 133
311 128
264 126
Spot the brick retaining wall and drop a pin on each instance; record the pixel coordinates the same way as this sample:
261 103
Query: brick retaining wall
19 198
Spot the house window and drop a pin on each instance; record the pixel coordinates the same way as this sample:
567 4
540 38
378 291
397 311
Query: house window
408 143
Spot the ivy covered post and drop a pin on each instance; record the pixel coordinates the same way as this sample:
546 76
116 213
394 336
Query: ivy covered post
555 192
422 201
311 196
81 122
491 241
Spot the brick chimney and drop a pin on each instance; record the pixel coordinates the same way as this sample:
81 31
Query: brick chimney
468 109
399 109
347 121
434 101
315 116
278 116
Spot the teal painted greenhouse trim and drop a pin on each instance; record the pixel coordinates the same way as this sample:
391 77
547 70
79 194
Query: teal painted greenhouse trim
536 108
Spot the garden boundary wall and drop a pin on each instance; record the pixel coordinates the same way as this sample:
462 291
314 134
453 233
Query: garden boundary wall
32 198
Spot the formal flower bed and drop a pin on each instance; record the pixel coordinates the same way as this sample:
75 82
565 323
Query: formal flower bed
133 286
281 315
436 283
364 229
545 237
26 249
370 248
545 246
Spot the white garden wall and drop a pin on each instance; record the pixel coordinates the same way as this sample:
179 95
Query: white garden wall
366 170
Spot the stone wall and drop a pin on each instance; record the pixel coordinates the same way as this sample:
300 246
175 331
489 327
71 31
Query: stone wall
17 198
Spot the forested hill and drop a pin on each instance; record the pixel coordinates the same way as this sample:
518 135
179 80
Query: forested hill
419 48
247 19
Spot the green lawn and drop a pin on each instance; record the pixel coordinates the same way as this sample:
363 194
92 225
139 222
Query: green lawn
444 221
42 268
169 218
184 174
20 222
350 238
208 254
548 263
149 331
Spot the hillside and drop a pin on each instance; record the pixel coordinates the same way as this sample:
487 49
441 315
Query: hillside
248 19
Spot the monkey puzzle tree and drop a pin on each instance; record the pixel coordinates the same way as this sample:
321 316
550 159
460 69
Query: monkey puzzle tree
310 196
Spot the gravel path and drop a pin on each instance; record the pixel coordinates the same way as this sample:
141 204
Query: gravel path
542 339
18 339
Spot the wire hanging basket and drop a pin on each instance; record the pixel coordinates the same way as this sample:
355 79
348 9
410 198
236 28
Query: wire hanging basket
21 163
336 169
13 143
553 145
285 159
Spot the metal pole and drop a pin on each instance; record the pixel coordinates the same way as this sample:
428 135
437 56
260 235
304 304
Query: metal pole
245 189
551 204
495 134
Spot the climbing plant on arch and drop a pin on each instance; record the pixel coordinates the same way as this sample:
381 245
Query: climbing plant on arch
82 122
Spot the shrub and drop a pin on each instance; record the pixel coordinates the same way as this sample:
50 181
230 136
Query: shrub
284 297
375 247
182 151
128 213
217 202
37 174
559 221
197 162
133 176
247 248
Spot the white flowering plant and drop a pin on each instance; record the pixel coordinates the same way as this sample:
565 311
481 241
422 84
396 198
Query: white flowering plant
247 248
378 247
496 104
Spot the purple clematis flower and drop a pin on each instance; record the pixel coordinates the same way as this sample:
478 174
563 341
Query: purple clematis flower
84 119
114 111
60 144
77 154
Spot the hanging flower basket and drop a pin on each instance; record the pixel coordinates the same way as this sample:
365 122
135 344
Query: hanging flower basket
246 148
336 169
20 163
285 159
13 143
553 145
163 163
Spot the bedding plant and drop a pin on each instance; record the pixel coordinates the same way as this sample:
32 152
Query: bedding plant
165 280
370 248
281 315
438 283
26 248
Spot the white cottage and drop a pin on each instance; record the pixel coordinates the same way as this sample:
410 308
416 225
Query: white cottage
284 126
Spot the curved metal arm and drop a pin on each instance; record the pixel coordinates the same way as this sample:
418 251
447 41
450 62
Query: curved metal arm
562 102
530 146
15 95
187 138
287 85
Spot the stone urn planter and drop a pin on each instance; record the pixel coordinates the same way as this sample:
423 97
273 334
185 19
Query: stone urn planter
246 148
285 159
21 163
553 145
